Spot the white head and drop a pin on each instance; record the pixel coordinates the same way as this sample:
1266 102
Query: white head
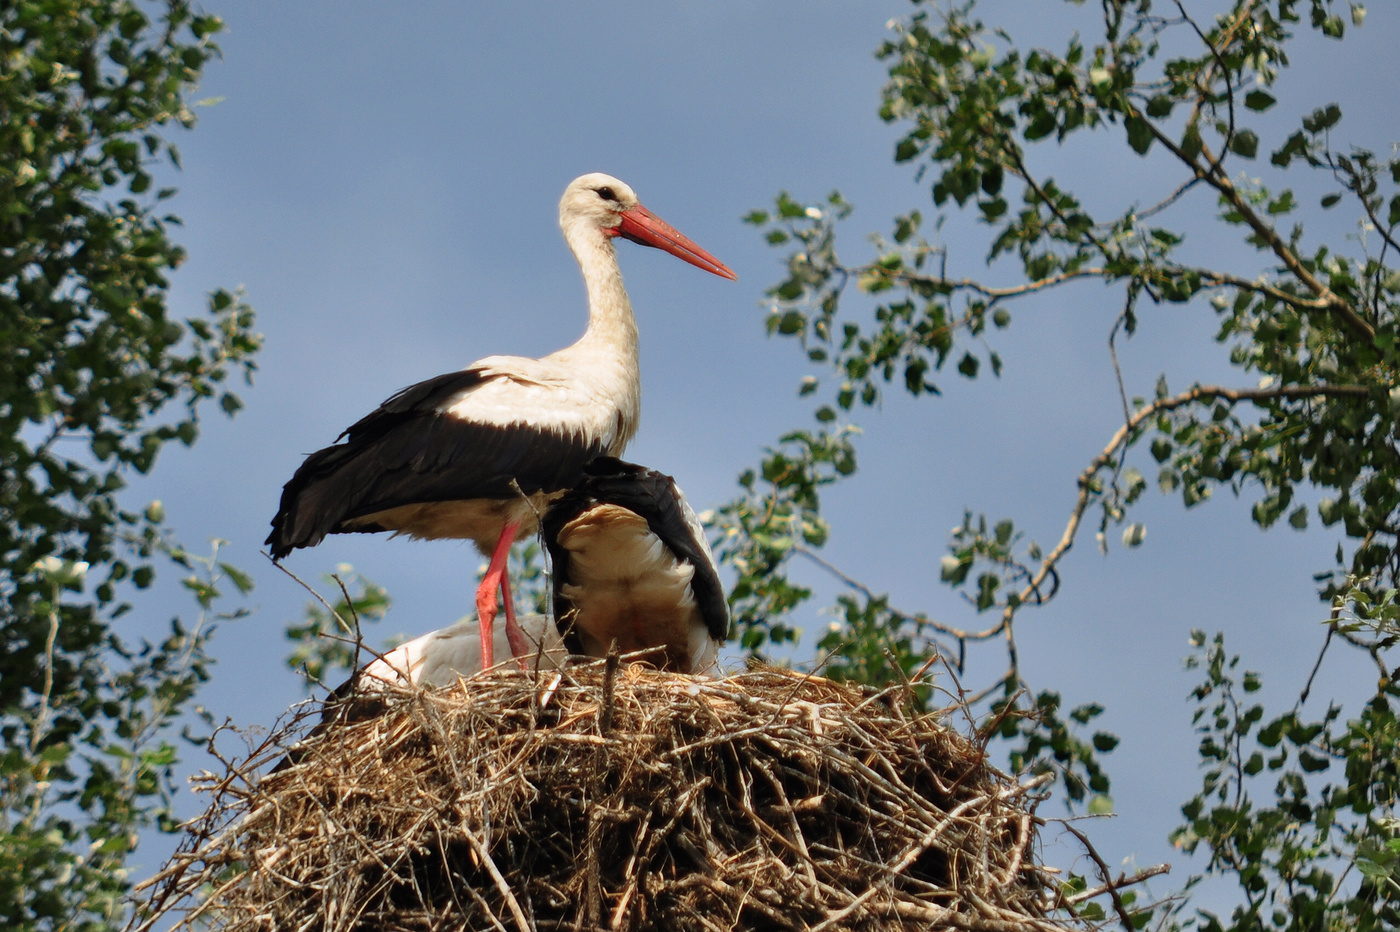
597 200
598 203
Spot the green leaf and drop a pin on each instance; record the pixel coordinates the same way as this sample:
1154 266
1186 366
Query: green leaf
1375 871
1191 143
1244 143
1139 134
1092 911
1160 106
952 569
789 209
1259 100
1101 805
1041 126
1282 204
1296 144
992 178
241 580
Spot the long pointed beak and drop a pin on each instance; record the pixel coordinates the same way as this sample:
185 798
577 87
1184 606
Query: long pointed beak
642 226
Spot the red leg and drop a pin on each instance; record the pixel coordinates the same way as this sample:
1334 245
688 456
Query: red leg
520 646
486 593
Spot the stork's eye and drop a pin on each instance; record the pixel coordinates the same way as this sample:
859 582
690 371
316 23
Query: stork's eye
607 194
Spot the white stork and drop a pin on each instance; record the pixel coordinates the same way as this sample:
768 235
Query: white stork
441 657
632 566
477 454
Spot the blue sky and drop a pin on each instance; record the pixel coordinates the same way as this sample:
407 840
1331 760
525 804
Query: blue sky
383 180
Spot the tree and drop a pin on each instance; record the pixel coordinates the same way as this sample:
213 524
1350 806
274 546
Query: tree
1312 329
95 365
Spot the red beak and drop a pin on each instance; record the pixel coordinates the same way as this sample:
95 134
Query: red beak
642 226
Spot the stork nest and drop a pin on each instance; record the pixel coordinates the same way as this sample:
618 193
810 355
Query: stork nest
613 799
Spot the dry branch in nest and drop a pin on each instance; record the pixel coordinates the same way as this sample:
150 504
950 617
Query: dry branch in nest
585 800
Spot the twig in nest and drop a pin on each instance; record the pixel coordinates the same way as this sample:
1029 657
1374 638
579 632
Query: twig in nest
605 723
515 911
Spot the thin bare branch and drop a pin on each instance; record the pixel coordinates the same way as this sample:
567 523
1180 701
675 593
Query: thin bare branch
850 582
1110 886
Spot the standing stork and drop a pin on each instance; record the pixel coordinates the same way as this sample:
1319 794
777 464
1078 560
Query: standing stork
477 454
631 565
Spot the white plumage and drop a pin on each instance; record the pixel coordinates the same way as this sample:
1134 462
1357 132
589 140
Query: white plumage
441 657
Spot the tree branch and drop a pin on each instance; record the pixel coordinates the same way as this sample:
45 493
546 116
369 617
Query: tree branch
1352 182
1013 291
1264 288
1326 298
1121 437
1110 886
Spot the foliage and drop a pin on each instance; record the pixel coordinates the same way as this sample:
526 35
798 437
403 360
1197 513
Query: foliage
778 516
1311 326
1315 326
95 362
1325 851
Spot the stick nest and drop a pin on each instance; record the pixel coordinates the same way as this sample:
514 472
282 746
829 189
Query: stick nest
626 800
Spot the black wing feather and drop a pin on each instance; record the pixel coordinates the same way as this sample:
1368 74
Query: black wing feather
407 452
655 497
